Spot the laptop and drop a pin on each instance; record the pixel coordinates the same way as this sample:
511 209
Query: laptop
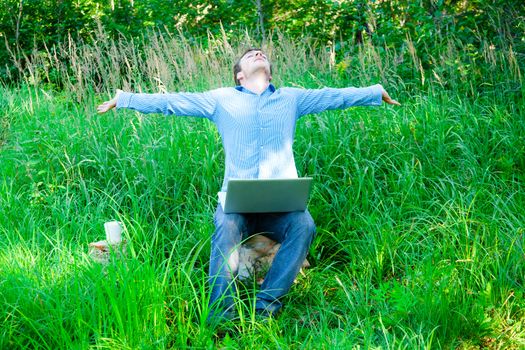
265 195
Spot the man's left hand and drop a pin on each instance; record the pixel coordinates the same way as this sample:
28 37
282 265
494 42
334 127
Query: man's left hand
387 99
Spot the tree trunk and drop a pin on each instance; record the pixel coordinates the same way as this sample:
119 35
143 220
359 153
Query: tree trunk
260 24
18 21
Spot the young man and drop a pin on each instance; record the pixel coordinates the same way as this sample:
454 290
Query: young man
256 122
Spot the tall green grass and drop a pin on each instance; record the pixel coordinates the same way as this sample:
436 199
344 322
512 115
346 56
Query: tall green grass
419 209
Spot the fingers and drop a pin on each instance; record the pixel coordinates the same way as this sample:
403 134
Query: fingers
102 108
393 102
106 106
389 100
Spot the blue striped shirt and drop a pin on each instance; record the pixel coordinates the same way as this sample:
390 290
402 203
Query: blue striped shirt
257 131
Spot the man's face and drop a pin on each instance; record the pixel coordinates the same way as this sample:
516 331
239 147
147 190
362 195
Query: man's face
252 62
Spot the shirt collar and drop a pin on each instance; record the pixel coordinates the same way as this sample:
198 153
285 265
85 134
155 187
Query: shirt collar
270 88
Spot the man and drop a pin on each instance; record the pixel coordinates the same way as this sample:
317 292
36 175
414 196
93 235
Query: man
256 122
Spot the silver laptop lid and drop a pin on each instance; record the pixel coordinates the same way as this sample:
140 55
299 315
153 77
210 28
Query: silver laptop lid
266 195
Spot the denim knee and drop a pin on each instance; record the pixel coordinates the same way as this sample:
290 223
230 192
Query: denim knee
228 226
305 224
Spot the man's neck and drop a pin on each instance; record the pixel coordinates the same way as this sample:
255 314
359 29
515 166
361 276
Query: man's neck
257 83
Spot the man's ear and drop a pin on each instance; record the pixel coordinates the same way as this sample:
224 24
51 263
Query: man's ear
240 76
270 77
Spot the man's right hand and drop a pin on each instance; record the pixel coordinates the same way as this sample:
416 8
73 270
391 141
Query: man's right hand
108 105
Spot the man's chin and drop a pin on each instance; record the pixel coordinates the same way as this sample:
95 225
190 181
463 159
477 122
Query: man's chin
261 68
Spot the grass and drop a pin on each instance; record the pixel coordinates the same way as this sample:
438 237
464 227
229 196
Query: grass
419 209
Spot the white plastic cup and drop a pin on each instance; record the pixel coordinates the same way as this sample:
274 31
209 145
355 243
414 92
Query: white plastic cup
113 232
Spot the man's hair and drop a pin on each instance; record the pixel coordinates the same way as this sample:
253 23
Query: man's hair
237 66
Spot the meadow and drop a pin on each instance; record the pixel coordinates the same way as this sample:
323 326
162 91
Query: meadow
419 209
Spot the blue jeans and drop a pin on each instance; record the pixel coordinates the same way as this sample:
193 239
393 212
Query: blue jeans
294 230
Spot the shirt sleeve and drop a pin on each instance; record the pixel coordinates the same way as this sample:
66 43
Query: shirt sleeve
181 104
319 100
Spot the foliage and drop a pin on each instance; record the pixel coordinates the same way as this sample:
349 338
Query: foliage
27 25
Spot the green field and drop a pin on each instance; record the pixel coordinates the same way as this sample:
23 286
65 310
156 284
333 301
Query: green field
419 209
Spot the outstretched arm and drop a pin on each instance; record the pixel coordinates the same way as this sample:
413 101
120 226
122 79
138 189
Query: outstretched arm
190 104
319 100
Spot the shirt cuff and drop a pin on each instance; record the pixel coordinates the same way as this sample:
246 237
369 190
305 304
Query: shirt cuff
124 100
376 93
